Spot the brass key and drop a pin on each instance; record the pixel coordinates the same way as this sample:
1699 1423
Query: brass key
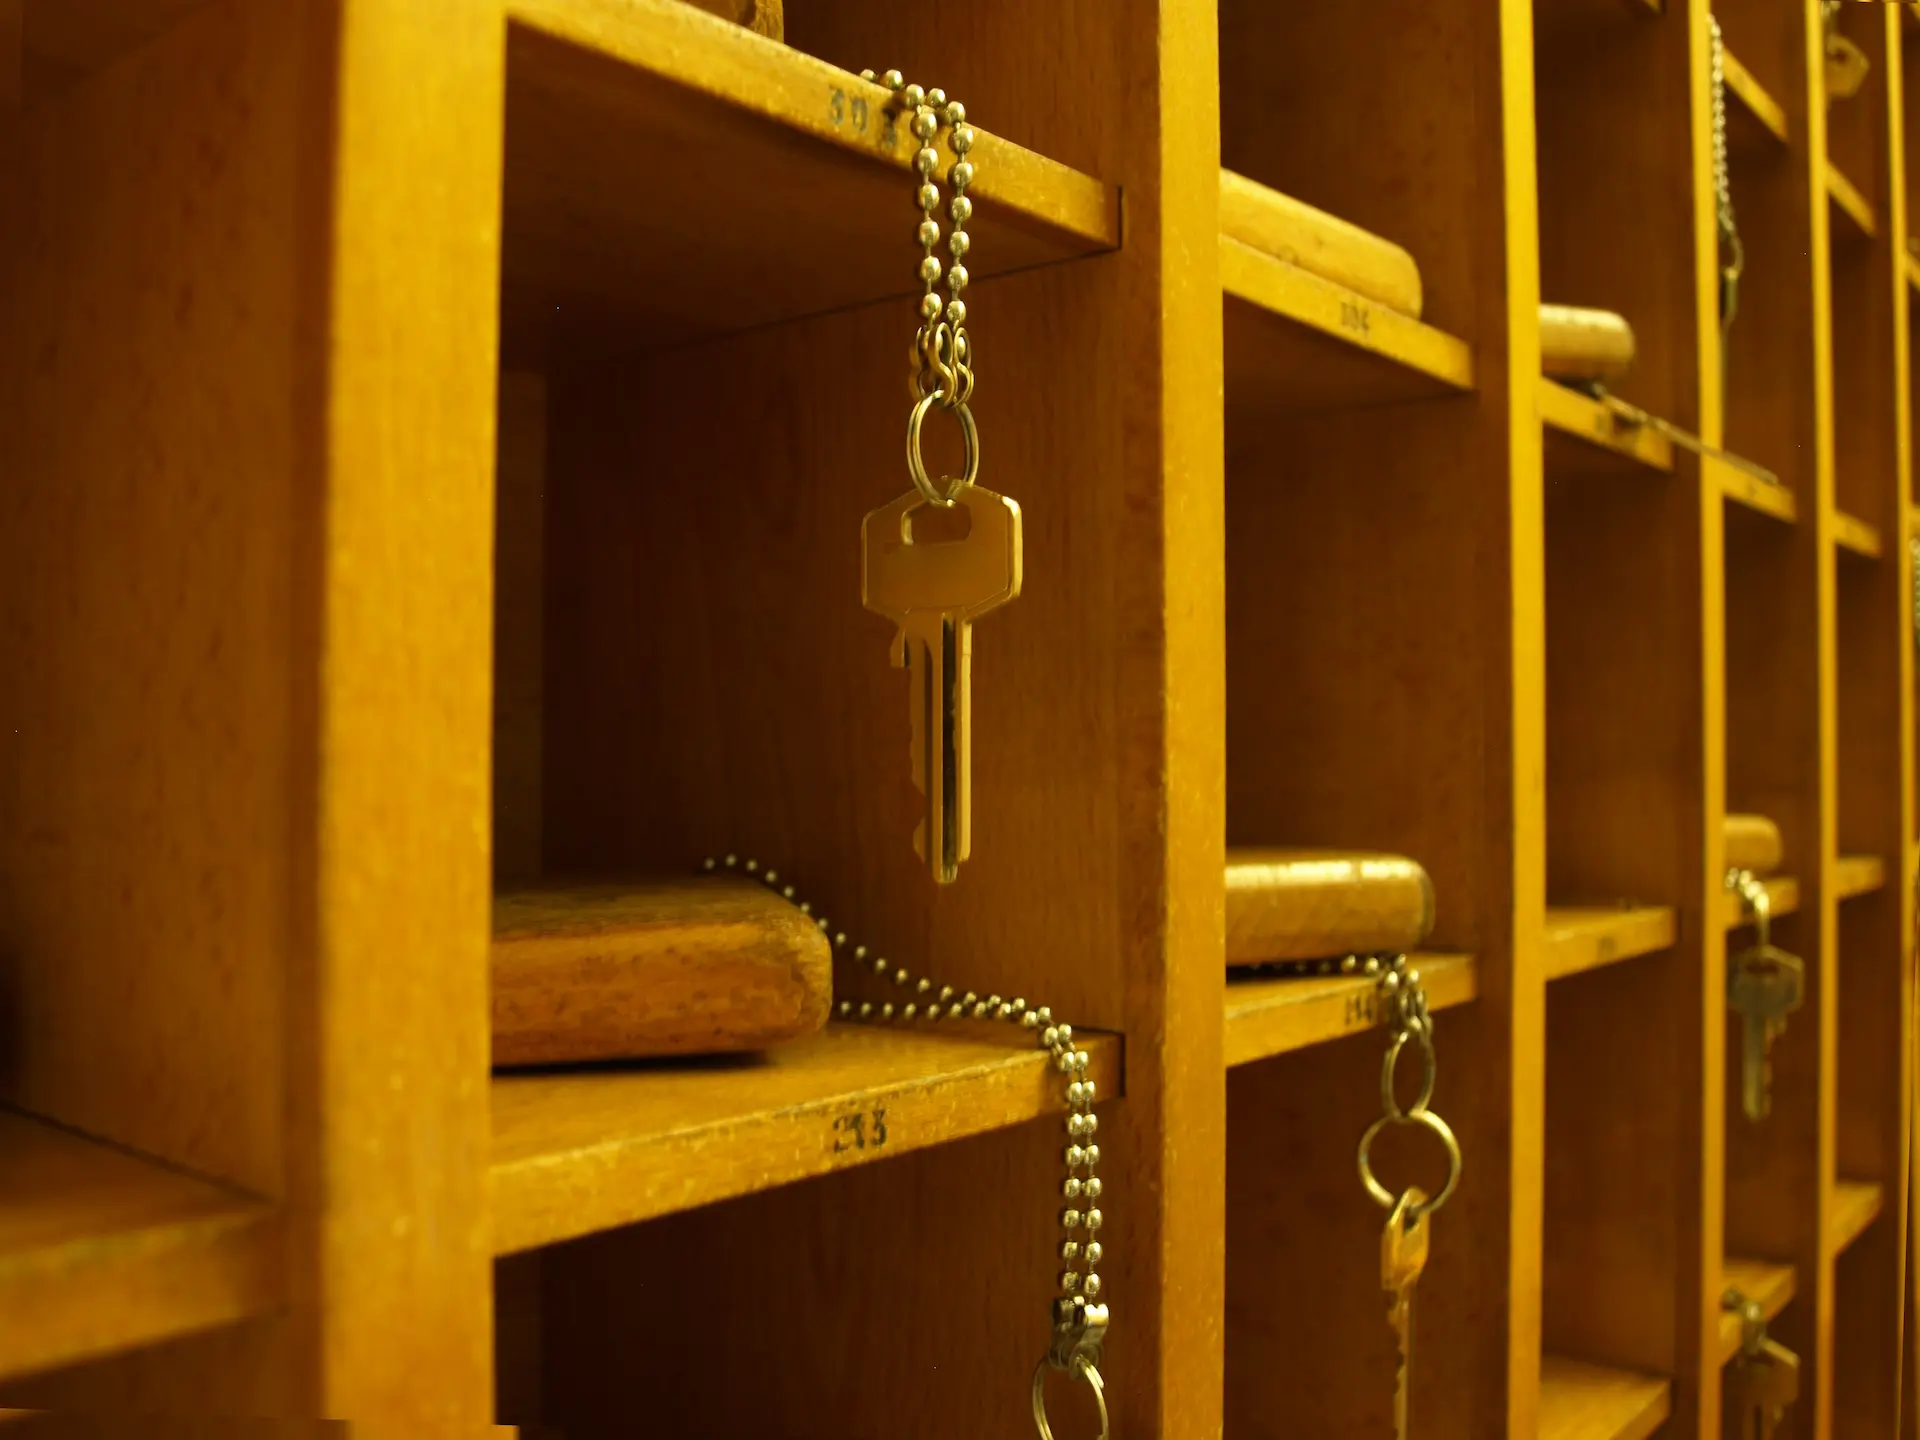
1403 1256
1760 1386
933 589
1766 985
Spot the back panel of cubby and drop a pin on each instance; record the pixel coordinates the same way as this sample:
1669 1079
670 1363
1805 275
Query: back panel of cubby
712 683
1367 609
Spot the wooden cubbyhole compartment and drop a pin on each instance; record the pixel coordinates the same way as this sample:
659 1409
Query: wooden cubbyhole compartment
700 398
1315 758
1608 80
1858 131
1768 400
1392 155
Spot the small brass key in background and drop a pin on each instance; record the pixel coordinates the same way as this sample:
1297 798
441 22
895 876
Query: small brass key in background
933 590
1763 1380
1403 1257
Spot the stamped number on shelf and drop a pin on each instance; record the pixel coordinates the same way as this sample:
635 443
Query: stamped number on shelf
861 1130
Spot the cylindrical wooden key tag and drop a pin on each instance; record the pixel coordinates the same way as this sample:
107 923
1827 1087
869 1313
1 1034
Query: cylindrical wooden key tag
1318 904
689 967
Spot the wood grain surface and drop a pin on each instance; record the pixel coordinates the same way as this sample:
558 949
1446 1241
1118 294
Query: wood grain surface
695 967
1314 904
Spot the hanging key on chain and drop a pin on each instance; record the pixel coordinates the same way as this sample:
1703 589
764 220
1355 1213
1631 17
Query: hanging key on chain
1079 1315
1764 985
1406 1240
948 551
1763 1380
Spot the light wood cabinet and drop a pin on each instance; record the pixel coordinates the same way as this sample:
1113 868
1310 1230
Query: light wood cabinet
433 440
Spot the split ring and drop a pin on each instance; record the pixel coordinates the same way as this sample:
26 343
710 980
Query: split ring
916 463
1087 1371
1384 1197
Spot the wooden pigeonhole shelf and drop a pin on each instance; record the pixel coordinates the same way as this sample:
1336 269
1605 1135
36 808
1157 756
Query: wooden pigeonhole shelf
434 440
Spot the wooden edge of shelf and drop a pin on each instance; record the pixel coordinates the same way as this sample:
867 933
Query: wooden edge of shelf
1783 895
1848 200
1268 1017
1579 1401
1856 536
758 75
1856 1204
1738 486
1299 295
1858 875
1751 93
1585 418
102 1250
1587 938
1910 263
1770 1285
575 1153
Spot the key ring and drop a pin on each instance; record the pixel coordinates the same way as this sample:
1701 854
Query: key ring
1080 1367
916 463
1384 1197
1429 1070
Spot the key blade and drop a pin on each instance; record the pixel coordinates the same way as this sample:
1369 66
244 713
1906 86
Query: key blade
941 753
1755 1097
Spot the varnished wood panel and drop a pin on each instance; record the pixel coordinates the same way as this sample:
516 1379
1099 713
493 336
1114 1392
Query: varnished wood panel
152 763
387 1087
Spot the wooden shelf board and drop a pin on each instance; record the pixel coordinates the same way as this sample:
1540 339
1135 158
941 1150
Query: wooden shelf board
1587 938
102 1250
583 1151
1910 263
1754 493
1753 96
1579 1401
1783 891
1856 1204
1848 200
632 126
1268 1017
1771 1285
1297 342
1856 535
1858 875
1568 412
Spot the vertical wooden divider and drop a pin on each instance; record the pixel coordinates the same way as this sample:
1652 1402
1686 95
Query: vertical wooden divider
390 1025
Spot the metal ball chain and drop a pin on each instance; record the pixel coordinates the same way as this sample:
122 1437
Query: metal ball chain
1079 1323
1736 262
942 355
1368 966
